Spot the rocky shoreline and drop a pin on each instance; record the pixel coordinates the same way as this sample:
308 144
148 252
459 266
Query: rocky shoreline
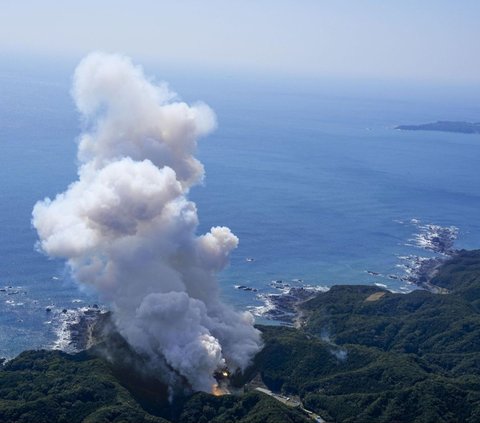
77 329
417 272
283 307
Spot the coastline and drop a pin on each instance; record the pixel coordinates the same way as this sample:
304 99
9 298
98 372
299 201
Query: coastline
283 306
282 300
355 342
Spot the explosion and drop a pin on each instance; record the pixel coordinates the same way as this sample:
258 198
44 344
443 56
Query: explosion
218 391
127 228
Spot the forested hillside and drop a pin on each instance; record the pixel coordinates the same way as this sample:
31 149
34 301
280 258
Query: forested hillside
362 354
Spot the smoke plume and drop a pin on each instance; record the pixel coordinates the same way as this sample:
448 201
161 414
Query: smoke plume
127 228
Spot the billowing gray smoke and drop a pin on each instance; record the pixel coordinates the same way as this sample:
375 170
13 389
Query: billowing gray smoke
127 228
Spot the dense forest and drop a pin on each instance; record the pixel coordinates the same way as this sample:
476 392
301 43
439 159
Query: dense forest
362 354
369 355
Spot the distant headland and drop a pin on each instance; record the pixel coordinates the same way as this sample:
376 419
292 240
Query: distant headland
445 126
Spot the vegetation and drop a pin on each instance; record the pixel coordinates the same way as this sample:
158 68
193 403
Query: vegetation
361 355
51 386
401 357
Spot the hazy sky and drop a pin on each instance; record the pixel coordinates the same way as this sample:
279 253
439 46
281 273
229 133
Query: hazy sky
407 39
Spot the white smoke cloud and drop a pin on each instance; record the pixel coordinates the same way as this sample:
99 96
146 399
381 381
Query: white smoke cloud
127 228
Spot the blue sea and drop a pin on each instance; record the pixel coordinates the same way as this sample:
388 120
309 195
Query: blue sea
310 175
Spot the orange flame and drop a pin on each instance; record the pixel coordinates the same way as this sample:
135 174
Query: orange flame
218 391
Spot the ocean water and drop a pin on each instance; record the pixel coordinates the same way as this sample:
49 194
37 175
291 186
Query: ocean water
310 175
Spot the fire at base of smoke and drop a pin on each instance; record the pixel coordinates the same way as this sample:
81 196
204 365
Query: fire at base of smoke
127 227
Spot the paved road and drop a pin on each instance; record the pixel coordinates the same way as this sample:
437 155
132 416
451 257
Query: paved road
291 403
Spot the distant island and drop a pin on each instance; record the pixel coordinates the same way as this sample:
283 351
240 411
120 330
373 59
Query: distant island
357 354
444 126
